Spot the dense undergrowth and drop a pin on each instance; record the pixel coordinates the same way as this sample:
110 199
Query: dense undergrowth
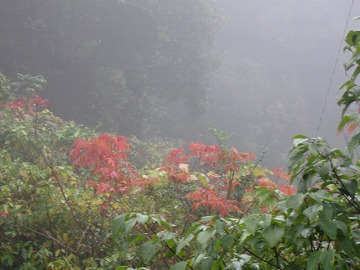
72 198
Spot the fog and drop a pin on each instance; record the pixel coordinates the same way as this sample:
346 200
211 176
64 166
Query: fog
259 70
277 60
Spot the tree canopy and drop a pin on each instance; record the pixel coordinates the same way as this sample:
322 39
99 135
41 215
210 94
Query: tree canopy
129 65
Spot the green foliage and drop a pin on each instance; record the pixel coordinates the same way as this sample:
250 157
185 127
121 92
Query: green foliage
48 220
351 91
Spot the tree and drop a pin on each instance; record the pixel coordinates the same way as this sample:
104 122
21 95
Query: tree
127 65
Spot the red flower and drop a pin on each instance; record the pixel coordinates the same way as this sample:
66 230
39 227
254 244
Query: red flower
209 198
279 173
287 190
266 182
177 157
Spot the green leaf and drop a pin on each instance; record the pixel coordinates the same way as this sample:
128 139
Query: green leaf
142 219
226 241
320 195
329 227
117 223
206 263
328 213
313 261
312 211
355 73
251 222
324 171
327 259
305 183
295 201
351 187
129 224
273 234
149 250
179 266
341 226
341 264
299 139
183 242
346 118
354 142
205 236
345 244
203 179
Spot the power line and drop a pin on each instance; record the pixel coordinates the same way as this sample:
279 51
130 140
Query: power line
335 64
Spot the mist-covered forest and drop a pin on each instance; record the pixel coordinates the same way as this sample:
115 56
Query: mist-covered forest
155 134
259 70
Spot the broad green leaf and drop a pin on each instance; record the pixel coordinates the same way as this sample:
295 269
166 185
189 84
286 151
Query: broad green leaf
183 242
354 142
206 218
244 236
321 196
260 171
329 227
351 36
313 261
351 186
295 201
346 118
166 236
149 250
226 241
324 171
179 266
273 234
299 139
355 73
203 179
327 213
345 244
305 183
341 264
142 219
117 223
205 236
314 148
312 211
199 259
129 224
251 222
207 263
193 228
341 226
327 259
219 225
350 63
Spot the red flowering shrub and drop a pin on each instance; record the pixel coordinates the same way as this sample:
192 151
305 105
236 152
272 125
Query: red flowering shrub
209 161
266 182
106 157
23 107
210 199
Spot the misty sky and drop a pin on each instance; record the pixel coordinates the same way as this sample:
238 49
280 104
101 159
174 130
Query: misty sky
139 68
285 51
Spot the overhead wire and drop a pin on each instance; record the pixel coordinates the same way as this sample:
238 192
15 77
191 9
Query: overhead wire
334 68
